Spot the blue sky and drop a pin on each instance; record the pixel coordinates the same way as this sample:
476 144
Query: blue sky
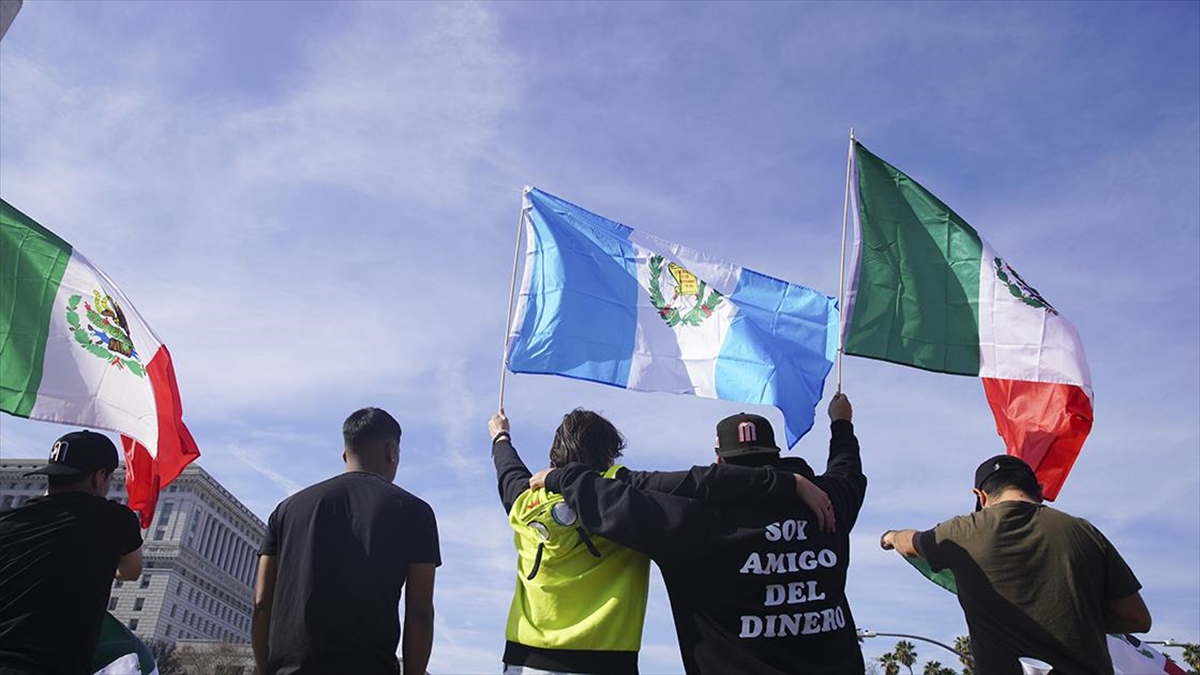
315 205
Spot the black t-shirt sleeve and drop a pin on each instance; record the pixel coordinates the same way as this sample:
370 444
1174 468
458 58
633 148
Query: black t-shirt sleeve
425 547
270 545
944 545
129 530
926 543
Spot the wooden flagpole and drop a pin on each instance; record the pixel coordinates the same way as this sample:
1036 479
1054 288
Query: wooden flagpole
842 271
512 290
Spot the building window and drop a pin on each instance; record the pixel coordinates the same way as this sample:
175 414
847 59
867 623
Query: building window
118 584
173 608
7 503
112 604
168 631
138 603
145 582
133 624
159 534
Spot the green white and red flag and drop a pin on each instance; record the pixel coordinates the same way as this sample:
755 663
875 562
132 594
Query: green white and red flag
74 350
925 290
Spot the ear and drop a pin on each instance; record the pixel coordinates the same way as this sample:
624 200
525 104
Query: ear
99 477
343 456
720 460
982 496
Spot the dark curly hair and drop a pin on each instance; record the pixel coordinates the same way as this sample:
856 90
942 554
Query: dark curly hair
586 437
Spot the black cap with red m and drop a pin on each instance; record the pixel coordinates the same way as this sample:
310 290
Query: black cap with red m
745 434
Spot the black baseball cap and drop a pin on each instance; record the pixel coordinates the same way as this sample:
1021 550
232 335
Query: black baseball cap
745 434
995 465
80 453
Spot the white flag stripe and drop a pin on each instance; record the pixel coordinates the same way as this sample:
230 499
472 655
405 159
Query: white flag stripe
1018 341
680 359
77 384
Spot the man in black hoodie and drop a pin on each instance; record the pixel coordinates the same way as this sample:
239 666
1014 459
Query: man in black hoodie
756 588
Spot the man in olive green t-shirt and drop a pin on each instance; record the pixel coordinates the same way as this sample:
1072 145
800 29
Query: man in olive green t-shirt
1032 581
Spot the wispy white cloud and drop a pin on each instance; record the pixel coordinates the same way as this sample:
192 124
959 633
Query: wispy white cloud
315 205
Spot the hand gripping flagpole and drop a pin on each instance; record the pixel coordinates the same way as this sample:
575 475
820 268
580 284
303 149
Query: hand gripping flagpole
512 290
842 271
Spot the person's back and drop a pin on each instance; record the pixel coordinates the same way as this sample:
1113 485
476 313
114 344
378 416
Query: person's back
1032 581
335 559
757 587
343 547
768 593
580 599
58 557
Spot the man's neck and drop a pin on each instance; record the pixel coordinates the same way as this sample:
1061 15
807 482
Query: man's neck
1012 495
50 491
355 467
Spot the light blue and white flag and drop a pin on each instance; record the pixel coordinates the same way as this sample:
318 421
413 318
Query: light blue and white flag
603 302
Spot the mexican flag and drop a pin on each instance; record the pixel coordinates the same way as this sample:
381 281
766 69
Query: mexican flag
74 350
927 291
120 652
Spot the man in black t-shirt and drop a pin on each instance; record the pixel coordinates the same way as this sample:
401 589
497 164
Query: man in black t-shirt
756 587
335 559
59 555
1032 581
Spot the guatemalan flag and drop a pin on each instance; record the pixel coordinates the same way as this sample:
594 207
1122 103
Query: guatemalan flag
603 302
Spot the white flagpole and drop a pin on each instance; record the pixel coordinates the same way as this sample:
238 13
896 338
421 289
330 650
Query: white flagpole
512 290
842 271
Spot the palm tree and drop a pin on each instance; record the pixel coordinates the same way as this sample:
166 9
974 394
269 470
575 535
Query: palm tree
890 665
906 654
1191 655
962 645
936 668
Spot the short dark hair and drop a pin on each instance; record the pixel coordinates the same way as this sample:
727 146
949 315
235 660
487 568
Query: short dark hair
368 425
586 437
1025 481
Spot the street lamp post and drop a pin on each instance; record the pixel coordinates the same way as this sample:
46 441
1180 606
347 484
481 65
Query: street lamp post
864 633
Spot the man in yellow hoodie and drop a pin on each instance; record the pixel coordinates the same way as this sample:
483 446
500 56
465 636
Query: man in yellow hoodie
580 599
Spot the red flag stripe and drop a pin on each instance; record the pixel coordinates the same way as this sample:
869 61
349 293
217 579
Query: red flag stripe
148 473
1043 423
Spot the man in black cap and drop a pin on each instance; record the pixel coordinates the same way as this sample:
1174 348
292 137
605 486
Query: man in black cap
59 555
756 587
1032 581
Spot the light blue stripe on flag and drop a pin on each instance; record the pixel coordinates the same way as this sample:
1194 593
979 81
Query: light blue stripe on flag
601 302
581 296
779 349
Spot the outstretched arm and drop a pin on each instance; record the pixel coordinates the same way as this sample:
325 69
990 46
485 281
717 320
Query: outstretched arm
512 476
904 542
